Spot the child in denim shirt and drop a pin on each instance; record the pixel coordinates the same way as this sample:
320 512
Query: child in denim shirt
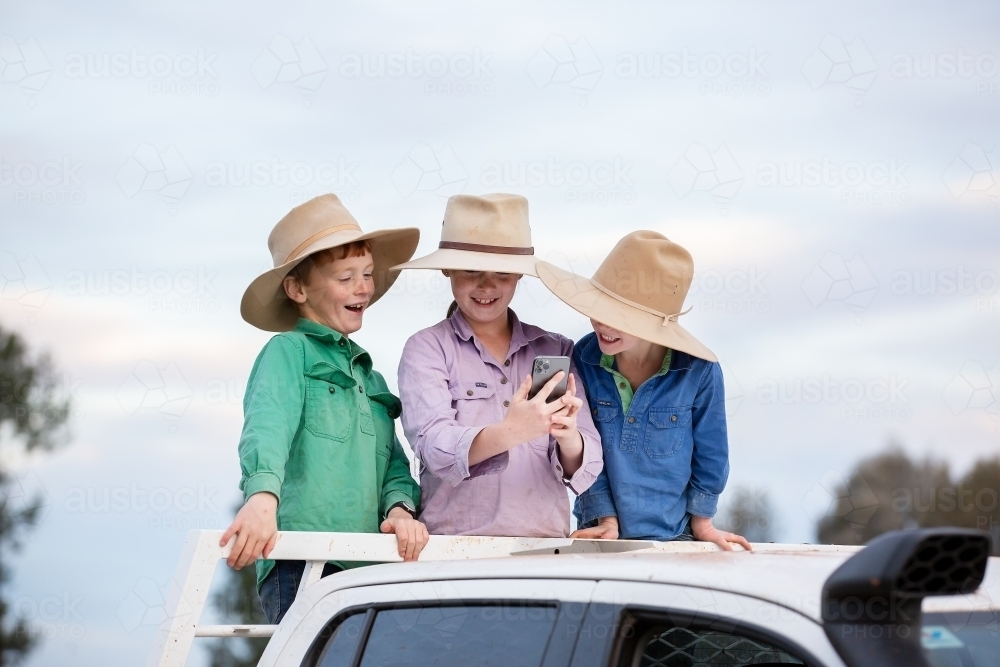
655 393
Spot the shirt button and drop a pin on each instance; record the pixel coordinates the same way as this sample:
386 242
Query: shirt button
506 404
673 418
503 380
332 390
507 363
621 384
343 342
631 420
360 388
469 392
594 411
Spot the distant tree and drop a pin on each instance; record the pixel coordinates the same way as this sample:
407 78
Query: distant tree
32 412
748 512
977 502
890 491
237 602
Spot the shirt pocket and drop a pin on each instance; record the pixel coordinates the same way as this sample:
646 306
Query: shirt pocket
474 403
329 410
466 391
666 430
603 411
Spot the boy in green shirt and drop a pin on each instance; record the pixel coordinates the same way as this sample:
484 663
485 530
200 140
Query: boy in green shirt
319 450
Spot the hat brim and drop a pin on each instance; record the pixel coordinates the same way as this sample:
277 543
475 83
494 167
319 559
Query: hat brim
580 294
469 260
265 304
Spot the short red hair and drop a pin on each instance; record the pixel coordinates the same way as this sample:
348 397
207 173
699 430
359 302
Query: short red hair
304 268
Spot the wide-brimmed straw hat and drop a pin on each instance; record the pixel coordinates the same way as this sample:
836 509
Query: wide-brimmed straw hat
483 233
639 289
316 225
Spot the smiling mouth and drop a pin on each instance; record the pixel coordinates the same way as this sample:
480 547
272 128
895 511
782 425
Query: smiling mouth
357 308
485 302
608 339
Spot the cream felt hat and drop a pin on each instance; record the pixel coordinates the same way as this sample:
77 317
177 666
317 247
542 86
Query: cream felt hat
639 289
483 233
318 224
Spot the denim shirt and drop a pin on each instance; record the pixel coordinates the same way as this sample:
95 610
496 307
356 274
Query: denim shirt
666 457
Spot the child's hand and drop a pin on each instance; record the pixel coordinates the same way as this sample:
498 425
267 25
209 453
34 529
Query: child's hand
527 419
411 535
256 530
703 531
606 529
564 420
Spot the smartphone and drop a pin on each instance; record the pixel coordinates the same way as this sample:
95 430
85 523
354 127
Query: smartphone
543 369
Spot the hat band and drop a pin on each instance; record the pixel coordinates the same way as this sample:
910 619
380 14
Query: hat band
316 237
479 247
666 318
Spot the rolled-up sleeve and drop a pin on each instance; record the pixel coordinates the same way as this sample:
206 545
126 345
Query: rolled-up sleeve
593 457
272 410
710 460
399 485
439 441
595 503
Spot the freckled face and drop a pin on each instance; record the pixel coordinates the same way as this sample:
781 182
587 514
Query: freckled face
338 292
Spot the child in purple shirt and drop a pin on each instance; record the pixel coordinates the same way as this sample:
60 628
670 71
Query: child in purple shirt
494 462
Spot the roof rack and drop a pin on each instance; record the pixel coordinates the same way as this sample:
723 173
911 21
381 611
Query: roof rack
188 591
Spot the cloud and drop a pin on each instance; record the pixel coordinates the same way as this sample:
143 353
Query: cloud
560 61
283 61
700 170
834 279
834 62
426 170
23 64
148 170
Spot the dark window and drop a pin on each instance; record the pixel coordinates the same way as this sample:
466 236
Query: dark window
962 639
694 647
476 634
341 647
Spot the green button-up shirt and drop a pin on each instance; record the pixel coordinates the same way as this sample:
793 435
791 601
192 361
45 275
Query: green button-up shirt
319 433
624 387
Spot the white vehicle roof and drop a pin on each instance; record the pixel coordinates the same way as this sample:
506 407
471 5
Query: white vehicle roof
788 575
791 576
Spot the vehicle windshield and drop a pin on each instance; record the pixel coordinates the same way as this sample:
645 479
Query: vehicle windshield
962 639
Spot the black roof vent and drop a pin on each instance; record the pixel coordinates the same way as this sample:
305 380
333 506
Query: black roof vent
871 603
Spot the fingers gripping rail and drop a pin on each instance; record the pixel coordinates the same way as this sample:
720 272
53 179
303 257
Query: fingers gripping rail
189 589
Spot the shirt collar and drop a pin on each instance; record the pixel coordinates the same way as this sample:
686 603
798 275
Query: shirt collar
608 362
519 337
333 338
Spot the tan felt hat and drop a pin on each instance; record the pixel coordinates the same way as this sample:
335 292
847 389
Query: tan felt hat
483 233
318 224
639 289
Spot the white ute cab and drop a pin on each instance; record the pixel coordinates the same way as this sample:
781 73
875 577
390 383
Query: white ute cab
528 602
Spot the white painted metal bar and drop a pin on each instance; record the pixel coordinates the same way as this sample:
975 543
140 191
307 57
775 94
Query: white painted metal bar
312 573
188 591
235 630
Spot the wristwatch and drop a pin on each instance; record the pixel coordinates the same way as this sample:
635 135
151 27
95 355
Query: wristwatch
405 505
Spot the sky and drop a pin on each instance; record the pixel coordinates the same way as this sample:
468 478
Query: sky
832 167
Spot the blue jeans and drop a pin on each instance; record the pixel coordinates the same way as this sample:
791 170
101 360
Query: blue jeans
277 591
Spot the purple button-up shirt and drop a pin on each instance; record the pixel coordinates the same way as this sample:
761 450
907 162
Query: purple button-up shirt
451 388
